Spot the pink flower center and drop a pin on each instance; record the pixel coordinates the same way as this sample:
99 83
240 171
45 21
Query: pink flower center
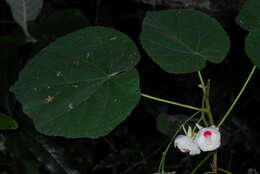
207 134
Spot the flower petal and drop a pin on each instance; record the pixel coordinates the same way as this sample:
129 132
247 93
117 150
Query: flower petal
208 139
186 144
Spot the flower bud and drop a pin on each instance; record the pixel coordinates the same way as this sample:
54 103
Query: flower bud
186 144
208 139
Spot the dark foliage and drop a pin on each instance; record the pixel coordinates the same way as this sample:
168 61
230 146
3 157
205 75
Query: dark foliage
135 146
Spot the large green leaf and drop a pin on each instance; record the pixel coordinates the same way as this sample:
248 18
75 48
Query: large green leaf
252 47
82 85
181 41
6 122
249 16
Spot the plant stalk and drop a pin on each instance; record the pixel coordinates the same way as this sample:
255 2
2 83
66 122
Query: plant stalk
238 96
174 103
215 162
206 103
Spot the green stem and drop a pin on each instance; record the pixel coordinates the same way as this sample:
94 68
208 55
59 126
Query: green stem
202 162
203 97
173 103
207 103
215 162
198 122
201 80
162 162
238 96
219 169
224 171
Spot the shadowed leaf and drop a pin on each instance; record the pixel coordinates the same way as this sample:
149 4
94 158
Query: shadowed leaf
181 41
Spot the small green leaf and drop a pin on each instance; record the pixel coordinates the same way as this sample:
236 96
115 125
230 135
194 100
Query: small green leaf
181 41
53 26
6 122
168 124
249 16
81 85
24 11
252 47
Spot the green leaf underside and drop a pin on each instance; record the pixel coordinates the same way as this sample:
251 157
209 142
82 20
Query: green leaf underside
181 41
249 16
24 11
82 85
252 47
7 122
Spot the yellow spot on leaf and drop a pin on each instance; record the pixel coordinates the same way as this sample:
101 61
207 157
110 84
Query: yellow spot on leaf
49 99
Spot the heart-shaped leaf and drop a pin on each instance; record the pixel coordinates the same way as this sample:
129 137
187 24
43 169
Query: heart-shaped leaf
252 47
81 85
6 122
181 41
249 16
24 11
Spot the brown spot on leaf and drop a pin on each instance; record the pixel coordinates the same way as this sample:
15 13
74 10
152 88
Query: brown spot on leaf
49 99
75 62
71 106
113 38
75 86
59 74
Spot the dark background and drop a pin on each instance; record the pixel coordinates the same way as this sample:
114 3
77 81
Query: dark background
135 146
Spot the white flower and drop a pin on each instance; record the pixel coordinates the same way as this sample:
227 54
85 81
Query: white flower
186 144
208 139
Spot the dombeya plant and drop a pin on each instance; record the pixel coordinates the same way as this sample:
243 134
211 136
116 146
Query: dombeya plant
85 83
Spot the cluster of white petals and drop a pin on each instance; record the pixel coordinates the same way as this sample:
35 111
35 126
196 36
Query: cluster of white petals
207 139
186 144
